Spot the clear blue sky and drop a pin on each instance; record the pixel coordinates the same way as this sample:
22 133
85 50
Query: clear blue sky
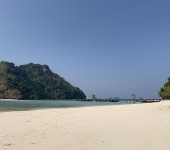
105 47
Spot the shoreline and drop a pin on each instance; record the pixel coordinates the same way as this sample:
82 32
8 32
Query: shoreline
27 105
131 127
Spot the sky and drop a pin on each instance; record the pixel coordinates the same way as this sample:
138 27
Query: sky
111 48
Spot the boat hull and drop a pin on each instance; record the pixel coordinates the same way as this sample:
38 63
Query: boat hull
150 101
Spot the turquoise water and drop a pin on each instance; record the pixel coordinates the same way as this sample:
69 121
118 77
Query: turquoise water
24 105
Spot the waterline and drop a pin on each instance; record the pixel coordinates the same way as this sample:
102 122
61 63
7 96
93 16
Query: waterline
25 105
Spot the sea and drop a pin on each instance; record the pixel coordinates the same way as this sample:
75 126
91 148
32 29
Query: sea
26 105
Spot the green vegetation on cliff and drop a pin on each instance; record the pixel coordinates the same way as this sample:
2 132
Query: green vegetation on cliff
165 91
34 81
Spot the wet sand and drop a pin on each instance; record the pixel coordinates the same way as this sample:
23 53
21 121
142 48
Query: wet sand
120 127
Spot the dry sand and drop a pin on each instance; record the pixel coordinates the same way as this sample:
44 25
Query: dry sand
123 127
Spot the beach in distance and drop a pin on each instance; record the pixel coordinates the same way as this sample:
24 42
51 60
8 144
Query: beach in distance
143 126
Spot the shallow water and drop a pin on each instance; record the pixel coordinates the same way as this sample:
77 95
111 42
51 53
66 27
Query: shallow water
24 105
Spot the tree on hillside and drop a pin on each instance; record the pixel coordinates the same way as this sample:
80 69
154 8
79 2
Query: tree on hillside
34 81
165 91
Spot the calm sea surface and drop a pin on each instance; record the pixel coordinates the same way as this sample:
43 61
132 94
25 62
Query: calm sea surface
24 105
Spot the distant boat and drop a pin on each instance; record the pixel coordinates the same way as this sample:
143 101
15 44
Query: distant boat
140 99
115 99
112 100
83 100
150 101
101 100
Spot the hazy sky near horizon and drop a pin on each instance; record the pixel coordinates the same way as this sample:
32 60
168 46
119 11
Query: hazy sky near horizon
107 48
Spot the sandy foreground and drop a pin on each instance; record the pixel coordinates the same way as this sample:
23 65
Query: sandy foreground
123 127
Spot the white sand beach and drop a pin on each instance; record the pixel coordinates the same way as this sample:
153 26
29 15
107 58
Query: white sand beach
121 127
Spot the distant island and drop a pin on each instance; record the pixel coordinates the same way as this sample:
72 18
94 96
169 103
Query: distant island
165 91
34 81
